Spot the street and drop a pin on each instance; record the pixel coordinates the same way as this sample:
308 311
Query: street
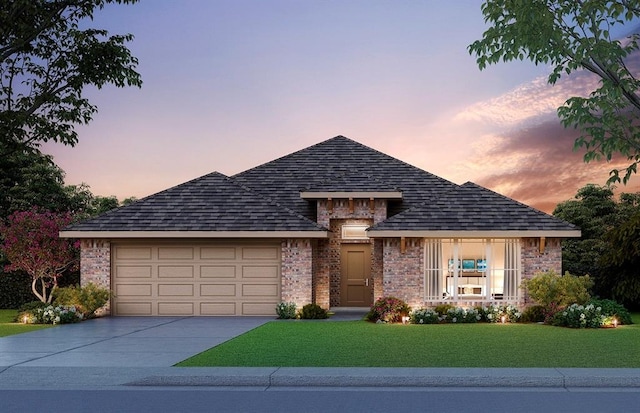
225 399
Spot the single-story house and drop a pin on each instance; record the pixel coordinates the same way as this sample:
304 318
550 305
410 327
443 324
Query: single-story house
338 224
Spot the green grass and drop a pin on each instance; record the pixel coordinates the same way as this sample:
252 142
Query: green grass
362 344
9 328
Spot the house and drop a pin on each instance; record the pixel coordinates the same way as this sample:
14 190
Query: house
337 224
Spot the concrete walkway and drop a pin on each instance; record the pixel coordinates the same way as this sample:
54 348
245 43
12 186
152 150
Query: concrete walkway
140 351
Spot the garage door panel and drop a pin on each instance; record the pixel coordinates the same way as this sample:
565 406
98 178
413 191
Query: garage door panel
260 253
133 271
218 253
134 290
180 290
133 308
133 253
218 308
253 271
193 278
218 271
175 308
172 271
175 253
258 308
259 290
220 290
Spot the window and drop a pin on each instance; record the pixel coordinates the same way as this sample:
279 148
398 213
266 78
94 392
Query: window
354 231
472 270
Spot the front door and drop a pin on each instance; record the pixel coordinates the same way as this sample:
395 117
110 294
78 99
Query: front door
356 286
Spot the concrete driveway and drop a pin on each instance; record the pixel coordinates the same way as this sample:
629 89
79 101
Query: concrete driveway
122 341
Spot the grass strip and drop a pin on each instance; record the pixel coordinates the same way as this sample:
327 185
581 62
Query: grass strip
363 344
8 327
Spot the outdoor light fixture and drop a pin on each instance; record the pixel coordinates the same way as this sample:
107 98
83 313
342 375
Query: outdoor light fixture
25 319
615 322
503 319
405 319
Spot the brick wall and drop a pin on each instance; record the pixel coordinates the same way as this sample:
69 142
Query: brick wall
533 261
403 273
95 265
297 271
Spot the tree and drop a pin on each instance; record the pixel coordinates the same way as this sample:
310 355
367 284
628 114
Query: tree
31 244
46 62
571 35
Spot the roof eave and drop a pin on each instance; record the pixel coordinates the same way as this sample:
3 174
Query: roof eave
193 234
474 234
354 194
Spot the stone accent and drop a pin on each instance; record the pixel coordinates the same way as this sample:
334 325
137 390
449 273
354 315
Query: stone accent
95 265
297 271
403 273
326 284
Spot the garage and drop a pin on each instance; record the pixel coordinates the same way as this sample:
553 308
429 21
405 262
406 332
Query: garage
184 278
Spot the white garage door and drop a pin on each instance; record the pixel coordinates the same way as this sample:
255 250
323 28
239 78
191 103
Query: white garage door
195 279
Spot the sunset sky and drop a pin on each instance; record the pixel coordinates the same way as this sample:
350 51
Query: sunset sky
229 85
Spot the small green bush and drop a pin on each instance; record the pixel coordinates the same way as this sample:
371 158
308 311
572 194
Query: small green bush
388 310
87 299
313 312
462 315
286 311
50 314
424 316
612 309
494 313
579 316
533 314
443 308
551 289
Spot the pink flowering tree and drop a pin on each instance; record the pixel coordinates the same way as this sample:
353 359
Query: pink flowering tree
31 243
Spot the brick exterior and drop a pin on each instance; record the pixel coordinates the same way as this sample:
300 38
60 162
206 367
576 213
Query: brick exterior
403 273
95 265
534 262
296 269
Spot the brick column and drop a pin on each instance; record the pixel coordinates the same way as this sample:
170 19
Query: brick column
297 271
95 265
403 275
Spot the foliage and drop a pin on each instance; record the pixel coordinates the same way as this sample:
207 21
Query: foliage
313 312
550 289
46 63
50 315
31 244
388 310
462 315
286 310
611 308
443 308
621 263
15 289
494 313
578 316
86 299
533 314
571 36
424 316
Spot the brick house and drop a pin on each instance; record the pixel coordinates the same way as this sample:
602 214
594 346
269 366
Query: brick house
338 224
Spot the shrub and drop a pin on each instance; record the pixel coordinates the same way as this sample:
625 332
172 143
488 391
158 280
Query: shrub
462 315
494 313
579 316
424 316
286 310
612 309
388 310
87 299
313 312
51 315
15 289
443 308
533 314
549 288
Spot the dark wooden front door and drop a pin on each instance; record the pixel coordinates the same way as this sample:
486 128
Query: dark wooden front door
356 285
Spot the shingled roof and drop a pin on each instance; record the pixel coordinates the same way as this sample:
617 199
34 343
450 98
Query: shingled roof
471 207
266 201
213 203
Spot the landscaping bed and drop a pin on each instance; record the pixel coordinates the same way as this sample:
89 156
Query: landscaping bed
8 327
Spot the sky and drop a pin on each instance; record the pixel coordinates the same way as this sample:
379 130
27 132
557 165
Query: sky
229 85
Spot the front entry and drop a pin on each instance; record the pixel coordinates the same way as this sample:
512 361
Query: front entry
356 285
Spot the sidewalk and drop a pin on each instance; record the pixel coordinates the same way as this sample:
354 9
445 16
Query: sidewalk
122 352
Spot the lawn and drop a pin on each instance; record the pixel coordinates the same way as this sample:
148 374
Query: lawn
363 344
8 327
